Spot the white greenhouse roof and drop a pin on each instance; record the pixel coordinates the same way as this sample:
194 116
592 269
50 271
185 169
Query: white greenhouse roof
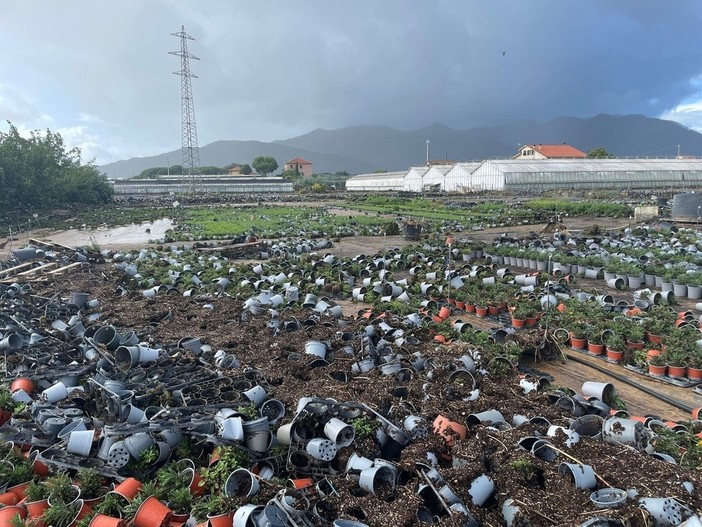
593 165
379 176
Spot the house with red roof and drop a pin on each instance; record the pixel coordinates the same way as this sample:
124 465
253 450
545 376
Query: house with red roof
540 151
299 165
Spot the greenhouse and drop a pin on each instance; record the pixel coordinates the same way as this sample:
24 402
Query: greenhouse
458 179
378 181
206 184
621 174
413 179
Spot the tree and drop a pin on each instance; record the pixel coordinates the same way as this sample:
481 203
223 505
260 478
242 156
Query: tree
264 165
39 171
245 169
599 153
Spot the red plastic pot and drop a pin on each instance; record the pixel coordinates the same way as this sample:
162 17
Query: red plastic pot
449 430
614 355
128 488
9 512
595 349
657 371
22 384
694 374
102 520
470 308
221 520
577 344
481 311
518 322
152 513
9 498
493 310
677 371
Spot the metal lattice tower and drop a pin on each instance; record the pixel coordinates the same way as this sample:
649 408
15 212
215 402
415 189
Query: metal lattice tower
189 149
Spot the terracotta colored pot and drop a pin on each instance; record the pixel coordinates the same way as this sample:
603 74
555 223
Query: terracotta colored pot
493 310
20 490
102 520
635 345
445 312
451 301
694 374
518 322
657 371
654 339
595 349
22 384
36 508
652 353
9 512
481 311
128 488
437 319
221 520
449 430
677 371
440 338
614 356
460 304
697 412
577 344
152 513
9 498
302 483
4 416
531 321
470 308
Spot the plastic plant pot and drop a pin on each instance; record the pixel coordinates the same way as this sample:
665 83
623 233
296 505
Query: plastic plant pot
543 450
55 392
581 476
665 511
608 498
256 395
244 514
488 416
232 429
357 463
80 442
375 478
572 437
588 426
257 434
604 391
273 409
481 488
102 520
152 513
322 449
137 443
627 431
128 488
241 483
342 434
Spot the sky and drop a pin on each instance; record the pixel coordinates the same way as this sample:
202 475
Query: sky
98 72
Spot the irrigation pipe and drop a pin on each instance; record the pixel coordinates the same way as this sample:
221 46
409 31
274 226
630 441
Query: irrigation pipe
669 400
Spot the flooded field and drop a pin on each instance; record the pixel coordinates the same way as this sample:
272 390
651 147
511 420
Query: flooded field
125 235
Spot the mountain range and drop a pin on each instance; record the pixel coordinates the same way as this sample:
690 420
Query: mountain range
361 149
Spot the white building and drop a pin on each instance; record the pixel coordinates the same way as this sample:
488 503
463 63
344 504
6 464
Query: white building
459 178
379 181
414 178
433 180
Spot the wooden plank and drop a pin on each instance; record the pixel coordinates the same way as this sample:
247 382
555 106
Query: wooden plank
61 270
13 270
39 269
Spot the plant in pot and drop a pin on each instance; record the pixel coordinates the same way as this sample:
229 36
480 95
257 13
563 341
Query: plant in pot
89 481
637 358
36 491
169 478
180 500
215 476
61 514
657 365
578 332
615 347
213 505
635 334
61 489
112 505
594 340
147 490
676 359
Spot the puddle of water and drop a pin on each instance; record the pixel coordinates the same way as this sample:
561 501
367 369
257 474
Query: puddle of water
128 234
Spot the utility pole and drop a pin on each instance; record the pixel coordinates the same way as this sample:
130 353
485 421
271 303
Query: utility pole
188 131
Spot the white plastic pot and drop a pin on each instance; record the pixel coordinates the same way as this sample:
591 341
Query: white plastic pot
80 442
341 433
582 476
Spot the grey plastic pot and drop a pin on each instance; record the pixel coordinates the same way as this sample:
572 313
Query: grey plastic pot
12 341
273 409
137 443
80 442
321 449
416 426
543 450
232 429
665 511
510 510
243 514
358 463
257 434
241 483
56 392
617 430
588 426
348 523
572 436
374 478
487 416
256 395
582 476
108 336
481 488
342 434
604 391
315 347
609 498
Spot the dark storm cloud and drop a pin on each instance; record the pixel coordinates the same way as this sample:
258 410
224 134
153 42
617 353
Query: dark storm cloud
274 69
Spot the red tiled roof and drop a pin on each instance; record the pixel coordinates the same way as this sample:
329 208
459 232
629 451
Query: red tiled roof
553 151
298 161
